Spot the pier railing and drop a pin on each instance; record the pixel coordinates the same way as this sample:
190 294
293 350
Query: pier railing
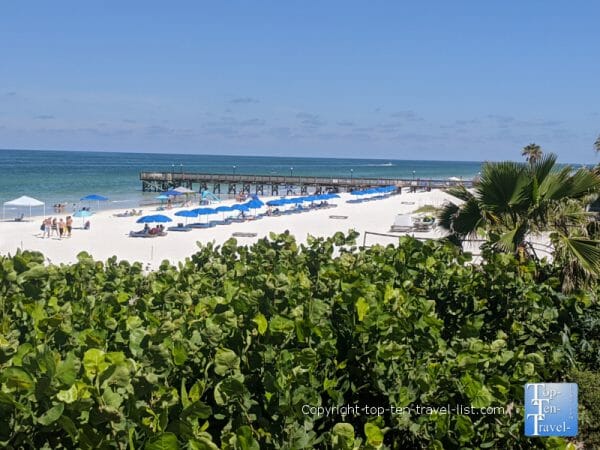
163 179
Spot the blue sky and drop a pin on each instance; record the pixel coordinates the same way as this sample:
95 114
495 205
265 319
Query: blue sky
445 80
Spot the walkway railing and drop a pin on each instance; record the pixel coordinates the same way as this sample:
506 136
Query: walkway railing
472 245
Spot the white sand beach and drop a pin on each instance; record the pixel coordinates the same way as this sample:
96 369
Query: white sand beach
109 235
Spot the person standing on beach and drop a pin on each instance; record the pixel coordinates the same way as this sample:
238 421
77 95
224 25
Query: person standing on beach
47 226
61 228
54 226
69 225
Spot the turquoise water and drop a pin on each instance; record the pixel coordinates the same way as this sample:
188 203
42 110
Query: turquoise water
65 177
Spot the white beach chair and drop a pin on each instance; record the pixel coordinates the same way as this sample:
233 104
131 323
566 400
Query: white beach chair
402 223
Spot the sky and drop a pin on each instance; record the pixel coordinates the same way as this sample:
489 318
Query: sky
464 80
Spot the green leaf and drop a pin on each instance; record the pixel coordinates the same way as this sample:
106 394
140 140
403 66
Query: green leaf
261 321
52 415
464 428
179 354
111 398
202 443
478 394
67 424
374 434
36 272
362 306
163 441
279 324
343 436
17 378
228 389
197 410
185 400
94 362
67 370
68 395
245 440
226 360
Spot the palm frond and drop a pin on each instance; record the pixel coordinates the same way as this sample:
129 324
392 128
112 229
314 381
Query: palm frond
586 251
584 182
463 220
460 192
564 184
543 167
446 215
510 240
501 185
469 218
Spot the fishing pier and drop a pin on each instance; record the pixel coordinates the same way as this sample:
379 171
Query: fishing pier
279 184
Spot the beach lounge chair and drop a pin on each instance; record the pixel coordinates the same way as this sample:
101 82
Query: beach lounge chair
201 225
243 234
221 222
21 218
238 219
402 223
142 234
179 227
147 234
424 225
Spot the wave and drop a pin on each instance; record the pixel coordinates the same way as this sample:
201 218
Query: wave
389 164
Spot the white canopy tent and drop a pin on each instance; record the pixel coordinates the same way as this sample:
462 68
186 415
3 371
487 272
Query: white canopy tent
24 201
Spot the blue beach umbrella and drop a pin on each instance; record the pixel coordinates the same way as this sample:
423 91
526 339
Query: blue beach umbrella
241 207
83 214
223 209
255 204
94 197
162 198
204 211
172 193
186 214
156 218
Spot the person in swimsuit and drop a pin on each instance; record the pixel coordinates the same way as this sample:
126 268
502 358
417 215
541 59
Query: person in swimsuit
69 224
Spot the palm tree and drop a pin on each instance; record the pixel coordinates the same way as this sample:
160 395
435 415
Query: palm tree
514 201
532 153
597 145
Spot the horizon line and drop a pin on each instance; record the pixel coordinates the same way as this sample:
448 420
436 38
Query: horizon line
266 156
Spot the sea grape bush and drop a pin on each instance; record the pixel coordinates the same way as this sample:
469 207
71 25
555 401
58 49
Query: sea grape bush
228 348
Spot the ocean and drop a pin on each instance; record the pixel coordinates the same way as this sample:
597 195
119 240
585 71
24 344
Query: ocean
66 176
